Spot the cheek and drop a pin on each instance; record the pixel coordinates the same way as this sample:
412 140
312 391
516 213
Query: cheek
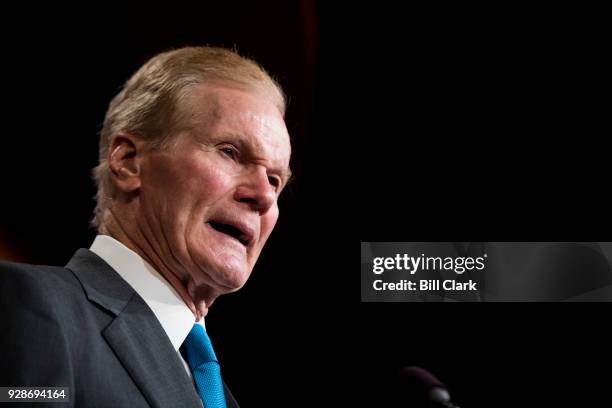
203 183
182 192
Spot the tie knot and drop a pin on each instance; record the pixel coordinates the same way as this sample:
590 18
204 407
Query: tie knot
198 348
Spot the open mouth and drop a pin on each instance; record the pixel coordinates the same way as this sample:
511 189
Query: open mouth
231 231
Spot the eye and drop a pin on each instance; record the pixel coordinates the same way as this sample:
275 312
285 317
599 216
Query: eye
274 182
230 152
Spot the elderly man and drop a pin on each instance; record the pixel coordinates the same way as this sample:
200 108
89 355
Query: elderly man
194 153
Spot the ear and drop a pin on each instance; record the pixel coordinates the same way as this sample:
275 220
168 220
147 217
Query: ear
125 157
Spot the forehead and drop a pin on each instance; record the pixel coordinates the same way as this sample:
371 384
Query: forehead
218 112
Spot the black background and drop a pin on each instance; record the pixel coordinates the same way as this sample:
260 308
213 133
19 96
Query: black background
407 125
486 125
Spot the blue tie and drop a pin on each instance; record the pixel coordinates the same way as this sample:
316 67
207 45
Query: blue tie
197 350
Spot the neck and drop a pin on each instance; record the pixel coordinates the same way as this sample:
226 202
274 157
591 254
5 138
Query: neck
135 240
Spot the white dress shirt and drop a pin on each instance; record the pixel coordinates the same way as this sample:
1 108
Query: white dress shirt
173 314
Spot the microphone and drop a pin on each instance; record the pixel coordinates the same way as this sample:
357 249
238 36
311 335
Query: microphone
434 391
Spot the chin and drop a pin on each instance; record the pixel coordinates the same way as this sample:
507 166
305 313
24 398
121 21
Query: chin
229 277
236 281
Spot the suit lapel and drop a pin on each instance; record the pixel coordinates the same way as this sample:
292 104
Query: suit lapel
135 335
230 401
149 357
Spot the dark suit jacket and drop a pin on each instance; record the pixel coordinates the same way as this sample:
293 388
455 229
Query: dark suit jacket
85 328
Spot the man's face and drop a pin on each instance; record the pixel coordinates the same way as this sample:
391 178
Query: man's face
210 200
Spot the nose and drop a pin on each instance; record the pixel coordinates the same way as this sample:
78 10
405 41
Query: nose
256 191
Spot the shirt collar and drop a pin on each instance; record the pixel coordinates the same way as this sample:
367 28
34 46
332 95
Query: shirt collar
173 314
